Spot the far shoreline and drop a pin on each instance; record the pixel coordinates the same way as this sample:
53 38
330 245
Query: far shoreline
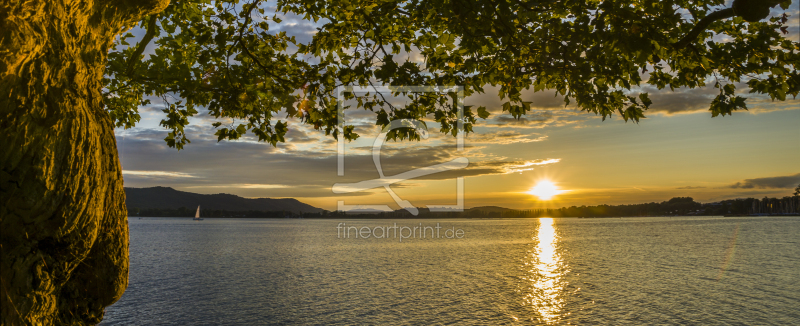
373 217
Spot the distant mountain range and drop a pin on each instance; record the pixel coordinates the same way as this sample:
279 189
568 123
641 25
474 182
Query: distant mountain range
168 198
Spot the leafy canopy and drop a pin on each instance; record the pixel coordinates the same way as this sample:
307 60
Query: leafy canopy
222 56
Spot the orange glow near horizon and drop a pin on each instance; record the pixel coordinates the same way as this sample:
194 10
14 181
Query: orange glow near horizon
545 190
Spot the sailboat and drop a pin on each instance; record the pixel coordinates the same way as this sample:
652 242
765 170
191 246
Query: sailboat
197 215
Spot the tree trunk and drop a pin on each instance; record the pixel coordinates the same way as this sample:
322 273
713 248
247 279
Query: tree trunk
64 237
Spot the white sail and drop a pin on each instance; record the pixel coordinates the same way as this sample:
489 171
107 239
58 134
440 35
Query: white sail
197 215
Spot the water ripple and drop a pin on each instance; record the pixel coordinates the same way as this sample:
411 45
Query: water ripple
687 271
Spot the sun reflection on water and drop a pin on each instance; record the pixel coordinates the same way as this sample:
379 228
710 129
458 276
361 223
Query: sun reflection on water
546 275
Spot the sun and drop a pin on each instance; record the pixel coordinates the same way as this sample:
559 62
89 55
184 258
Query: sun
545 190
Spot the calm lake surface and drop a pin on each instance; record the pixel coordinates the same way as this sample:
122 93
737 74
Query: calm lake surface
685 270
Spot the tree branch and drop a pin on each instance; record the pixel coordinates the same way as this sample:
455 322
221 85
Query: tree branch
702 25
247 52
151 33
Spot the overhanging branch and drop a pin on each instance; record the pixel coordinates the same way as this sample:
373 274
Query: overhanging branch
151 33
702 25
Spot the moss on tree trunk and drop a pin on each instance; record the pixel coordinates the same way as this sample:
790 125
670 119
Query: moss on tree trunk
64 237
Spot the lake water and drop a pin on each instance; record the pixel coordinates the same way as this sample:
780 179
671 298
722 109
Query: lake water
687 270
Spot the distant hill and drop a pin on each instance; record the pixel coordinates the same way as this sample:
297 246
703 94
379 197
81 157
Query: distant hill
168 198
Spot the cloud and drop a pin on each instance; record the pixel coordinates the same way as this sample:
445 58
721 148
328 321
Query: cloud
503 138
682 100
302 31
763 104
491 168
549 110
399 159
302 169
158 174
686 100
691 187
537 119
539 100
246 186
789 181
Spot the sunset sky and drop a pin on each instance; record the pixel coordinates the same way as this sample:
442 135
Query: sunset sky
679 150
680 153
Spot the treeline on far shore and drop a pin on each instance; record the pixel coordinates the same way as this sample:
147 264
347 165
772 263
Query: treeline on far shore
683 206
204 212
678 206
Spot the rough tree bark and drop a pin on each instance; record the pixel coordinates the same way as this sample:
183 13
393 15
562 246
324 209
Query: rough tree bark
64 237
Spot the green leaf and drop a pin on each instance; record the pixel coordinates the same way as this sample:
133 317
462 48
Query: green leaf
482 113
208 55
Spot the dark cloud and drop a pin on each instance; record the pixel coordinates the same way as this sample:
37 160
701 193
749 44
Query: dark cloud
685 100
492 101
547 110
789 181
299 136
681 100
538 119
307 169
